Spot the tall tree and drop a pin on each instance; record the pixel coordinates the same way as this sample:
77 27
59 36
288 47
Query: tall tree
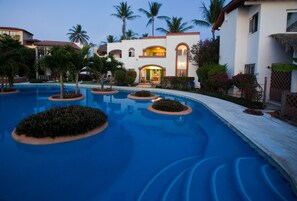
131 34
12 57
76 34
152 13
175 25
58 60
124 12
79 59
110 39
210 14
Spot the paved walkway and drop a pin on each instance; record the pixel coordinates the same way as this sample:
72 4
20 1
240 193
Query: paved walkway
275 139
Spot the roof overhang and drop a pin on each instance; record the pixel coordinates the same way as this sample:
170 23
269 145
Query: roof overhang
289 39
234 4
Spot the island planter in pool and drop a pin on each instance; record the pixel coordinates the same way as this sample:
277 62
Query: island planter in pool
169 107
61 124
142 95
105 91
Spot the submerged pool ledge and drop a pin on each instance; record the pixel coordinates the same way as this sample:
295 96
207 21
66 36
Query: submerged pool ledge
273 139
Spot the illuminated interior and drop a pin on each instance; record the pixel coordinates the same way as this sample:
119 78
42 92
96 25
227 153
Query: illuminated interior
155 51
151 74
182 61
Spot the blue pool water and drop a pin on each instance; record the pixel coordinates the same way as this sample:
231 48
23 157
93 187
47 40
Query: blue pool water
141 156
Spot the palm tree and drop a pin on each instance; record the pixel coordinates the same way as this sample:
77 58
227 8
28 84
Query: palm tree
59 60
76 34
124 12
175 25
210 14
154 8
110 39
12 57
79 59
131 34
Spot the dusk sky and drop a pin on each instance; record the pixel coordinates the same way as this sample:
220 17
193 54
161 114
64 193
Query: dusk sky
51 20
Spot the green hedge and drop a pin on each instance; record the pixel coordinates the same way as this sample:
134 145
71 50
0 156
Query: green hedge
284 67
168 105
173 82
61 121
143 93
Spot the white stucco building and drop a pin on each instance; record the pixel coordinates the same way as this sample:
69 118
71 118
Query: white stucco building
153 57
247 42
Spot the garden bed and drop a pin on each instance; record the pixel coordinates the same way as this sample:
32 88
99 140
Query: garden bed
104 91
169 107
142 95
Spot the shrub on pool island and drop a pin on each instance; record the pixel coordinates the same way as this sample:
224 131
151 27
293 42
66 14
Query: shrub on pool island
169 105
61 121
143 93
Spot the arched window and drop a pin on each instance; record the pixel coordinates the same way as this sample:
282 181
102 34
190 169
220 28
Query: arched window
131 52
182 60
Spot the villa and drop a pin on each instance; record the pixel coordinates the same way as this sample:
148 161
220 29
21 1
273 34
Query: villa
254 36
19 34
154 57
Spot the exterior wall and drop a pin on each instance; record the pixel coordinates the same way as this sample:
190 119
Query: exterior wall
239 47
168 62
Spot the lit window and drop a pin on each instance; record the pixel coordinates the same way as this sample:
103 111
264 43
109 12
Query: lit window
292 22
254 24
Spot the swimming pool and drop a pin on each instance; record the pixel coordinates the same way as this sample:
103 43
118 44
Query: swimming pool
141 156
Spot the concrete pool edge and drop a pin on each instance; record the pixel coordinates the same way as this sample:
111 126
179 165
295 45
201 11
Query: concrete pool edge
271 138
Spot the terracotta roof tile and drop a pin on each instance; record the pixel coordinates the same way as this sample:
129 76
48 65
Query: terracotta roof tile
56 43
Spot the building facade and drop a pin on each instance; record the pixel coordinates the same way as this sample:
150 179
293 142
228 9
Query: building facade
246 29
154 57
17 34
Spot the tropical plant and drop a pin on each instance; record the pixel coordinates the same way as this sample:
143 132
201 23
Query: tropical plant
124 12
210 14
205 52
110 39
76 34
143 93
79 59
131 35
61 121
144 35
175 25
59 59
168 105
152 13
247 84
207 71
12 57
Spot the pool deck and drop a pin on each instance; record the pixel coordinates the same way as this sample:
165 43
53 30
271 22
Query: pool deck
274 139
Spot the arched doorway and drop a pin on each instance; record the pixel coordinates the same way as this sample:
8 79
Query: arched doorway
151 74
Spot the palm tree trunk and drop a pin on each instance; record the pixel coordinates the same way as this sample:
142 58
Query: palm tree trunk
61 86
153 26
102 82
76 83
213 34
124 28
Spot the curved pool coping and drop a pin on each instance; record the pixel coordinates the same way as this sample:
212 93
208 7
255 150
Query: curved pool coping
104 92
51 98
184 112
271 138
48 140
10 92
132 96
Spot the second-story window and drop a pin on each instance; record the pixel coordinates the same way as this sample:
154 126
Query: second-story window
131 52
249 69
292 21
254 23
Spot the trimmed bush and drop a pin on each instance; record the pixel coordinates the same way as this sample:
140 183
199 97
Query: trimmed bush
173 82
61 121
130 77
168 105
120 77
247 84
143 93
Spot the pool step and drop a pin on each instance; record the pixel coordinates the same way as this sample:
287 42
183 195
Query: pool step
253 179
215 179
161 185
